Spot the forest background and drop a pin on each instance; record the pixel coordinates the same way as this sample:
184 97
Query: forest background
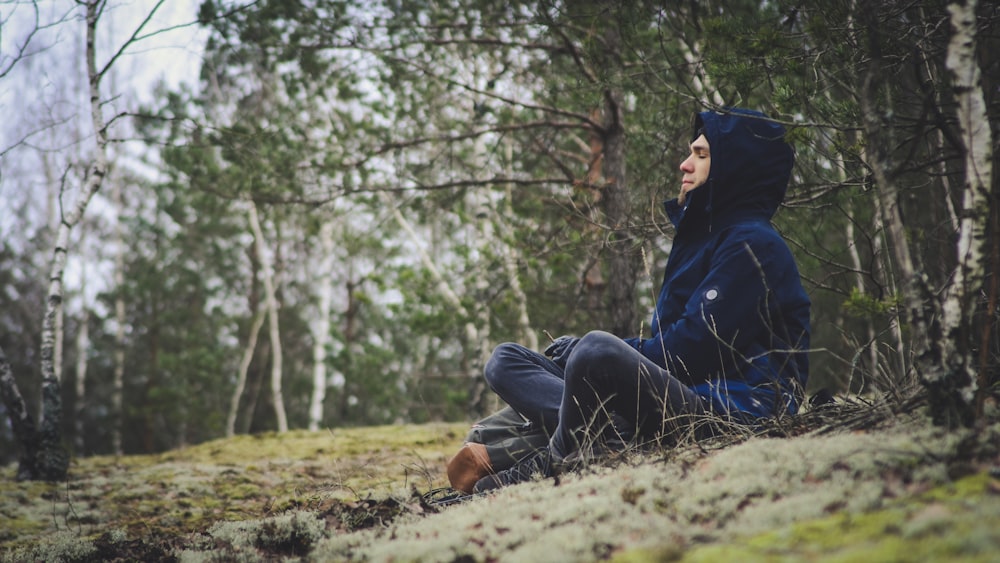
357 200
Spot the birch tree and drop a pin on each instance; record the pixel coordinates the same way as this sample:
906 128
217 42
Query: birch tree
241 374
941 319
320 326
118 378
44 455
953 383
271 305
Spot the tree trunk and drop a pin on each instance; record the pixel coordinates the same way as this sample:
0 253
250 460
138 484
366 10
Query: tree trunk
623 266
510 255
241 377
953 386
118 378
886 277
622 262
940 322
350 336
58 340
271 303
21 422
859 284
253 379
82 347
47 458
321 327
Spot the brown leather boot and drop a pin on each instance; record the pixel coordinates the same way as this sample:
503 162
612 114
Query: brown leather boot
469 465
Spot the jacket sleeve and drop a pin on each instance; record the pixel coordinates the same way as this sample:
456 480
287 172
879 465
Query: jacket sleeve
727 312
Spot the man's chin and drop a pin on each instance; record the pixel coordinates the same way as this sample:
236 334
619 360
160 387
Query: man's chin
686 192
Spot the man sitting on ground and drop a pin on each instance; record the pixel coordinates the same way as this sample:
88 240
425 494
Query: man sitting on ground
729 334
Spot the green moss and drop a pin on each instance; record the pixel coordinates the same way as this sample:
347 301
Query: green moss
953 522
347 494
245 477
14 528
974 487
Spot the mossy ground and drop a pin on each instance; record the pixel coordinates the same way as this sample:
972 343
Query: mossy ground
902 491
172 495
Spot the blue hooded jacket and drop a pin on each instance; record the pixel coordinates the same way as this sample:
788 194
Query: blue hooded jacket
732 318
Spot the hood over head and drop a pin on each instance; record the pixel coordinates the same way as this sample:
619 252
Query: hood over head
751 165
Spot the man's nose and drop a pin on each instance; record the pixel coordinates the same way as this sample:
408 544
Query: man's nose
686 165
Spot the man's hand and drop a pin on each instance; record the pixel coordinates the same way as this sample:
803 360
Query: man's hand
561 348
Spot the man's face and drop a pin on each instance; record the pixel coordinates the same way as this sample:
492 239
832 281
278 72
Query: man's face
695 167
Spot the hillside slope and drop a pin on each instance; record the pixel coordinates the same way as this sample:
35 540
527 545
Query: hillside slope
897 490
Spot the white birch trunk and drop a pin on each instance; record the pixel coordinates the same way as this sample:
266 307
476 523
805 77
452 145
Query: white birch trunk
884 272
320 327
54 460
241 377
479 400
57 353
271 303
974 125
118 377
700 79
510 261
941 321
82 346
859 284
471 333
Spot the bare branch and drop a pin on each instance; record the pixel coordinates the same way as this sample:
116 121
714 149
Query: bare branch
510 101
450 138
21 50
130 40
572 49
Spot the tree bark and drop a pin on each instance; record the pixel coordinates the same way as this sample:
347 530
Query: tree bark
50 460
118 378
21 421
956 380
940 321
241 377
271 303
623 265
82 347
510 256
320 327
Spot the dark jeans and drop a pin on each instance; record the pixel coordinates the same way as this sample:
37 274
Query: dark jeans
527 381
603 375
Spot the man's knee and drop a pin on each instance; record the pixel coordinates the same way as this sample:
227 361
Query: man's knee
496 365
597 349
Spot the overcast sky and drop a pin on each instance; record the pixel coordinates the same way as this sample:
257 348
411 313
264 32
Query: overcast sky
45 125
43 98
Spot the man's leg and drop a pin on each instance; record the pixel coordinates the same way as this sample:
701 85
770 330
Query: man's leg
527 381
604 375
531 385
493 444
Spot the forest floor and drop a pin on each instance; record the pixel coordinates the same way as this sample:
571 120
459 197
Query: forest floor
868 482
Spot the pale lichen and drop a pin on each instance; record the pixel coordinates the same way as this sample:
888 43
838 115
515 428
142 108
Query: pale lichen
322 497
